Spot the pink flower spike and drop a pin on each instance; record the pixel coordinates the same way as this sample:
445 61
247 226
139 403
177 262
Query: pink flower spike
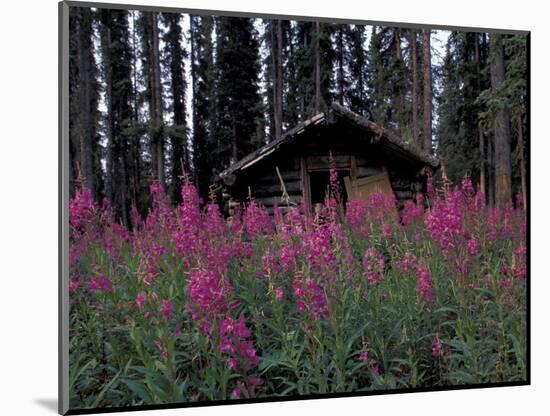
236 393
424 284
232 363
436 346
374 265
473 247
167 309
140 300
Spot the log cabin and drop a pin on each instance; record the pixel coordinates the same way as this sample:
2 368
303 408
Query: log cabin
367 158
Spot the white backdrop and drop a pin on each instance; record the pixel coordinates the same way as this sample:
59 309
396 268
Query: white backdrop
28 205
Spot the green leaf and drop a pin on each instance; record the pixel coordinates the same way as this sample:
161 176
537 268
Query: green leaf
105 389
139 389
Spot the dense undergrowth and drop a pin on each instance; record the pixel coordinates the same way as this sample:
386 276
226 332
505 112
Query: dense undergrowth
189 306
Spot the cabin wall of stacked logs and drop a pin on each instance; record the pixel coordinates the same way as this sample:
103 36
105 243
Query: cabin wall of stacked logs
264 185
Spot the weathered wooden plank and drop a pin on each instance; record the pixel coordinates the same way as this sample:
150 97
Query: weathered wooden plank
304 178
363 171
401 186
277 201
363 161
271 177
283 162
400 181
273 186
348 186
274 189
322 162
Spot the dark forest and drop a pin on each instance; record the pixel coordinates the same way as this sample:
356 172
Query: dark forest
161 97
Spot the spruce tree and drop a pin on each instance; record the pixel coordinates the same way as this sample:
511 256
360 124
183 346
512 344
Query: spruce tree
356 93
84 140
138 187
304 64
312 59
116 68
175 55
398 80
341 53
379 75
203 99
427 95
516 91
450 131
503 166
150 56
415 91
292 102
463 77
237 127
274 76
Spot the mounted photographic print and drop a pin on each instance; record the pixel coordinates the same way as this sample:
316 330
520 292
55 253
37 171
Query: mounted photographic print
262 208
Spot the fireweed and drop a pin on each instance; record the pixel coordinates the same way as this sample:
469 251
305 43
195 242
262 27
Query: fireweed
425 293
374 265
187 305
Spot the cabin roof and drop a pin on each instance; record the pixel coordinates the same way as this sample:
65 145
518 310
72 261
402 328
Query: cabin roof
383 137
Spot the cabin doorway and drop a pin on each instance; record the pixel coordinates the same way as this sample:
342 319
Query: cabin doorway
319 182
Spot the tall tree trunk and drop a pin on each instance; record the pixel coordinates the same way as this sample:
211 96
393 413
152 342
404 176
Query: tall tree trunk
196 151
522 167
175 55
116 52
414 62
427 67
503 186
202 100
341 66
275 116
156 105
479 129
85 99
400 84
234 144
276 45
317 68
279 78
302 101
136 148
291 104
109 130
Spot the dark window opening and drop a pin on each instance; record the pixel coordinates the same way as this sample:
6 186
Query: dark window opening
319 183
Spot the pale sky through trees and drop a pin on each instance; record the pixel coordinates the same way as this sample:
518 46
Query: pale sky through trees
438 38
438 43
